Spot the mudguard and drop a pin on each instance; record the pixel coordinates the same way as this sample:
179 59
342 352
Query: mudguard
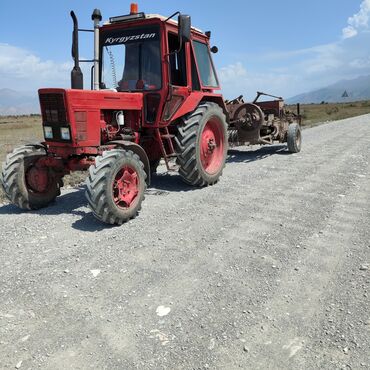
137 149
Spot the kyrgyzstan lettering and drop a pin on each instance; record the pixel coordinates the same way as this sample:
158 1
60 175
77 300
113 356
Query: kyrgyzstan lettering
124 39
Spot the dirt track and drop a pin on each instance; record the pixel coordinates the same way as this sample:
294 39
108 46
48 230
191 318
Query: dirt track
269 269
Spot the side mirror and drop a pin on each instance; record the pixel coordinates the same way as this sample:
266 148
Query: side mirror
184 28
214 49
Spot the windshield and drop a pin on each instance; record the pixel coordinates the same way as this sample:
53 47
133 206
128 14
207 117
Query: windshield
131 59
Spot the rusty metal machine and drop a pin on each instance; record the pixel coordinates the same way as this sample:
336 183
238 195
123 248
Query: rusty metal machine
263 122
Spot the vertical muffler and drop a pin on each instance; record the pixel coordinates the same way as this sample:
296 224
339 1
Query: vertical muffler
77 78
96 17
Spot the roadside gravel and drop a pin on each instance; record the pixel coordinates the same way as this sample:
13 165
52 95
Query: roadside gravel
268 269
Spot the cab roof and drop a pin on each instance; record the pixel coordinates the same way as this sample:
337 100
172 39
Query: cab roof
154 16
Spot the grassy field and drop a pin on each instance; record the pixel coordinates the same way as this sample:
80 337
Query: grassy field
313 114
15 131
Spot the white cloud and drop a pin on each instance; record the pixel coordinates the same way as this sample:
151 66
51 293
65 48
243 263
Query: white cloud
358 21
360 63
23 70
236 80
349 32
233 71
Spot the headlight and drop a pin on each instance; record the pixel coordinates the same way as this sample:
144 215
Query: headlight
65 134
48 132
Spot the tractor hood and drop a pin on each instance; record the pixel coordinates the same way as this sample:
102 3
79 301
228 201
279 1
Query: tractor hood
97 100
80 112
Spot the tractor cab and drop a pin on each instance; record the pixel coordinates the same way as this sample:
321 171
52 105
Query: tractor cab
162 59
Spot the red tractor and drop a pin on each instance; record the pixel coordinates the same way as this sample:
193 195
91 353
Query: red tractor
153 96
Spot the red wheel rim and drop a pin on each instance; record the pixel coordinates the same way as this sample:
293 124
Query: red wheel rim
125 187
212 146
37 179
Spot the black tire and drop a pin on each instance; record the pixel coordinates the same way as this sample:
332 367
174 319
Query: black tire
14 179
102 176
188 142
294 138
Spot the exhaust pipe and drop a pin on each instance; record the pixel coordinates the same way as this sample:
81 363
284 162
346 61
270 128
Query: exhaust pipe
96 17
77 79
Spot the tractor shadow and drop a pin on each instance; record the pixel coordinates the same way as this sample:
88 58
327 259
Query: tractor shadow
9 209
75 203
71 203
250 155
165 183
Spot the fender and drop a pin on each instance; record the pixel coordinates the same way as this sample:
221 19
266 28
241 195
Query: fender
192 101
137 149
38 146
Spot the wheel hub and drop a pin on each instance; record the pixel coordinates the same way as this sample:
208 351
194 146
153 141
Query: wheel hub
212 147
125 187
37 179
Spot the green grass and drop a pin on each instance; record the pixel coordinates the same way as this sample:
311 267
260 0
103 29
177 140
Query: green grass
19 130
313 114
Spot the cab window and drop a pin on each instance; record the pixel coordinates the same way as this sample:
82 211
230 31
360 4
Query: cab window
131 59
177 61
194 74
205 65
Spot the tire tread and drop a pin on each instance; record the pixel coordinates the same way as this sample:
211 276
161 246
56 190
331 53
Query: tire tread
186 142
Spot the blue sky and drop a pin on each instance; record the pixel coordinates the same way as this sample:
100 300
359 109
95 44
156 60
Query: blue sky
285 47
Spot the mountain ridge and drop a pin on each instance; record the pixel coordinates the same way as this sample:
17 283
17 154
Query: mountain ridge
14 102
357 89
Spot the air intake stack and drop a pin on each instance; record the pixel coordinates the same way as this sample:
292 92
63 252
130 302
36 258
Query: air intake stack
96 17
77 78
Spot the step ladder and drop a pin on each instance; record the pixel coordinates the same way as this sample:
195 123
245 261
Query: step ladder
164 137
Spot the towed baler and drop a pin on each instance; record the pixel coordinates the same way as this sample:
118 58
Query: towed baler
264 122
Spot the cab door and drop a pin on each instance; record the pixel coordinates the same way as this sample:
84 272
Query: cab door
179 86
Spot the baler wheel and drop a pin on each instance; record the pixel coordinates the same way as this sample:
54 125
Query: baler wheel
294 138
202 145
116 186
26 185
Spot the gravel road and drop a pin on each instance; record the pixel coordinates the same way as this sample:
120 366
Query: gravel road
268 269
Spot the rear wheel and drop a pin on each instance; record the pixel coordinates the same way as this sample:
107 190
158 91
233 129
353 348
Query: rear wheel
116 186
27 185
202 145
294 138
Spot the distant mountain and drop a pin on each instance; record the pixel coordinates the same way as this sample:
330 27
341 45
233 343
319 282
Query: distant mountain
16 103
357 89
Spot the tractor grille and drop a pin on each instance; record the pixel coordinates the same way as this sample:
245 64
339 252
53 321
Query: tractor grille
53 108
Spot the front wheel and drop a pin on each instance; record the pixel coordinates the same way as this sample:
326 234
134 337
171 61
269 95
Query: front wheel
202 145
116 186
26 184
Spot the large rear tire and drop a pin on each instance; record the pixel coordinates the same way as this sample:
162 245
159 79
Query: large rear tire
294 138
202 145
26 185
116 186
